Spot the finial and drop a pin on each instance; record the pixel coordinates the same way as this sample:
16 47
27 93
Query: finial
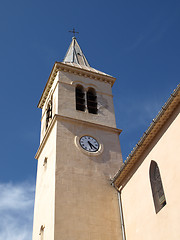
74 32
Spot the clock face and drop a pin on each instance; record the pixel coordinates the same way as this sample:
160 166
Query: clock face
89 144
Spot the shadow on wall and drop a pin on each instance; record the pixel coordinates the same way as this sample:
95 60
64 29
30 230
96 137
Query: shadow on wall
110 150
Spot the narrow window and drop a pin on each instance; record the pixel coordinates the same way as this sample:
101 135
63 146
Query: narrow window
92 101
48 113
41 233
157 187
80 98
45 162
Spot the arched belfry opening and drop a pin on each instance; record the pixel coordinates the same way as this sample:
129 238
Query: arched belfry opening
80 98
157 187
48 113
92 101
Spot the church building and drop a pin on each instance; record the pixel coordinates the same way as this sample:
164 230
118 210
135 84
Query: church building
148 181
84 191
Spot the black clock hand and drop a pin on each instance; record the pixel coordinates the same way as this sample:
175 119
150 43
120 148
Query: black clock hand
91 145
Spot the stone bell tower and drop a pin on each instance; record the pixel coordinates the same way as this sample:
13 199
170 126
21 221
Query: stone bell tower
78 154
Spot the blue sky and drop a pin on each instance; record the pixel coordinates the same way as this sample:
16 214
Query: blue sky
135 41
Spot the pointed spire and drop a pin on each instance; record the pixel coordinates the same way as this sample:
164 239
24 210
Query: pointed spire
75 55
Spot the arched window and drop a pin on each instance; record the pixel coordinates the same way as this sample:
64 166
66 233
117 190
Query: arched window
80 98
48 113
92 101
157 187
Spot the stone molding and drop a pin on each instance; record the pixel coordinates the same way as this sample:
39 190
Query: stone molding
77 121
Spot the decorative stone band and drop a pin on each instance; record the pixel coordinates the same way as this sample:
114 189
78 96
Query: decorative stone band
77 121
75 69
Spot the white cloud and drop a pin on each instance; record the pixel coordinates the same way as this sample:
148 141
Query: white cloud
16 211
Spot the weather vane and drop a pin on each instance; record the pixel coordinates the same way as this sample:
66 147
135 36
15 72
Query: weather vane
74 32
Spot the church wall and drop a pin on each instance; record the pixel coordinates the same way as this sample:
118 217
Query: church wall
45 190
141 220
67 104
86 203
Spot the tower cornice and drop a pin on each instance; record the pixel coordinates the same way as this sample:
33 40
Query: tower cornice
76 69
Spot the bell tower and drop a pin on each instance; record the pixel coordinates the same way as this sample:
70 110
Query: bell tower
78 154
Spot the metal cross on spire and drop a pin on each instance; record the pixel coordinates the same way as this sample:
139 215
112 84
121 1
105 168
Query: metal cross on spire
74 32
